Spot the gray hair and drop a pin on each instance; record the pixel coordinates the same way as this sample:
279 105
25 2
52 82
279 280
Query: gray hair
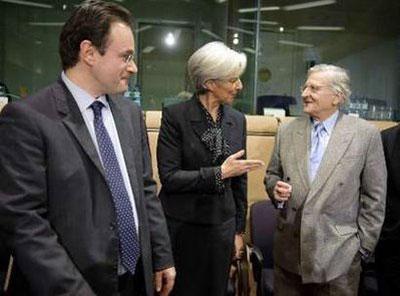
338 77
215 60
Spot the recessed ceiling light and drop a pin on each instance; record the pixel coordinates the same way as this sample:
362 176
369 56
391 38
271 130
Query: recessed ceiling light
320 28
294 43
170 40
251 21
240 30
212 34
249 50
46 24
308 5
148 49
254 9
28 3
143 28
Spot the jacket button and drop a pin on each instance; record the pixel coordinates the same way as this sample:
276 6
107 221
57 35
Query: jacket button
112 226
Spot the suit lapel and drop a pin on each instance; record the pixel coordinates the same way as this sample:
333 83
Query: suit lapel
227 125
338 143
195 116
73 120
129 144
301 140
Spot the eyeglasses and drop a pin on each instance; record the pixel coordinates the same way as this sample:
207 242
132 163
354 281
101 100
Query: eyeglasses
232 80
128 58
313 88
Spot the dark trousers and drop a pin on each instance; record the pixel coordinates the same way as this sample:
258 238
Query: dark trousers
387 262
132 285
202 255
290 284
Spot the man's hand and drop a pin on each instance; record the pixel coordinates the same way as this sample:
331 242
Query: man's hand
234 166
164 281
282 191
239 246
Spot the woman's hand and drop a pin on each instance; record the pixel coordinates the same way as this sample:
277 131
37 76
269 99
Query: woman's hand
234 166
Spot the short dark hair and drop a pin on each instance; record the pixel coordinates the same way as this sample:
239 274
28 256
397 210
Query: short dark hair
91 21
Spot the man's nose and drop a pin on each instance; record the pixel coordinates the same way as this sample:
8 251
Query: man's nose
132 68
239 84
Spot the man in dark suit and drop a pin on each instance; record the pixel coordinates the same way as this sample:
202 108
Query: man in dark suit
78 205
388 250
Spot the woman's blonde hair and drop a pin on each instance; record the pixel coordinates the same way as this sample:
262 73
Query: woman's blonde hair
215 60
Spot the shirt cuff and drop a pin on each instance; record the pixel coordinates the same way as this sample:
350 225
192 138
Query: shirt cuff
365 254
219 183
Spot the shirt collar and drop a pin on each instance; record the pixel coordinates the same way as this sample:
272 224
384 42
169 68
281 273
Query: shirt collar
328 123
82 97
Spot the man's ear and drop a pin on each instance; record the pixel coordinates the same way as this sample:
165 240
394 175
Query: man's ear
209 85
87 52
337 99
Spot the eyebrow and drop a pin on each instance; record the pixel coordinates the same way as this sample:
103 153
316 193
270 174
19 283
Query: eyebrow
129 51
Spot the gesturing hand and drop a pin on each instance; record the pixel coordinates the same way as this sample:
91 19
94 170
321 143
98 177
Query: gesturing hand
234 166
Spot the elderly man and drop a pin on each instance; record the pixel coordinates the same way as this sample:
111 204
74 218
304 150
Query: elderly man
327 176
78 205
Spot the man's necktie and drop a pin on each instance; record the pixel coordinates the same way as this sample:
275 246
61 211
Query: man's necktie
128 238
317 149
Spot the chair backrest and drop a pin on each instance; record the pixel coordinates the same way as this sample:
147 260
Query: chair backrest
274 101
261 131
153 122
263 223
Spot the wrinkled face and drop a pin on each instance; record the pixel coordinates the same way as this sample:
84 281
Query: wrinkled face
225 91
319 100
113 69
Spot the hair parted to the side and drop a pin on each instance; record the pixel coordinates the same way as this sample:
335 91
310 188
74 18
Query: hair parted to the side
338 78
91 20
215 60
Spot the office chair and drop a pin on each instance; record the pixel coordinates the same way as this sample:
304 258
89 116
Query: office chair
262 223
274 101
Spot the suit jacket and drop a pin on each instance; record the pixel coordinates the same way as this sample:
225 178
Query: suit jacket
391 146
325 223
56 210
189 192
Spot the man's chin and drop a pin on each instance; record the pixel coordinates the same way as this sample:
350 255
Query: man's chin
307 110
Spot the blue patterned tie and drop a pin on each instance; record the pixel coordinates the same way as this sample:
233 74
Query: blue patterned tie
317 149
129 243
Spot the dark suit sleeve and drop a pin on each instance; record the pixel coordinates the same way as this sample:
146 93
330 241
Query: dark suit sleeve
169 159
23 208
390 141
160 242
239 190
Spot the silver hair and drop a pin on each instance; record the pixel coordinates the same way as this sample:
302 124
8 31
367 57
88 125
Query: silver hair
338 77
215 60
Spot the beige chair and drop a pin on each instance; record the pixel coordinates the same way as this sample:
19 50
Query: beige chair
382 125
261 131
287 119
153 122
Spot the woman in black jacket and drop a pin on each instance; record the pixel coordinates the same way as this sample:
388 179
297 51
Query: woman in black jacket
202 170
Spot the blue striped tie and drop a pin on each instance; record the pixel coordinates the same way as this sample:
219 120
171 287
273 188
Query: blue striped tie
129 242
317 149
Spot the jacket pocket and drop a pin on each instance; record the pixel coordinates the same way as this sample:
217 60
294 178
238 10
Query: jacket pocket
345 229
